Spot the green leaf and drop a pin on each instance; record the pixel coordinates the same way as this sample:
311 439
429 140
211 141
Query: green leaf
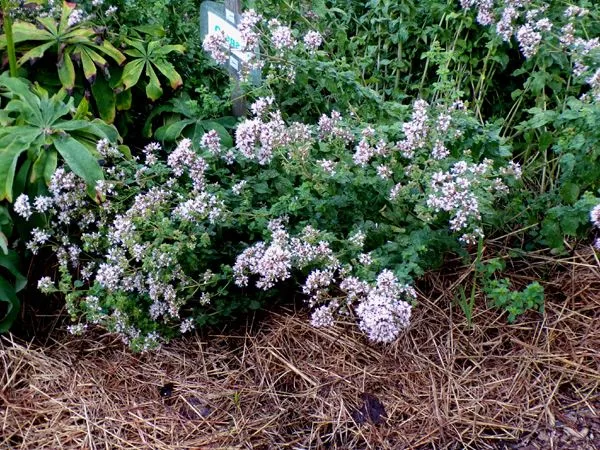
80 161
226 139
124 100
35 52
131 73
8 295
12 147
168 70
66 72
163 50
569 192
105 99
153 89
11 263
89 68
44 166
172 132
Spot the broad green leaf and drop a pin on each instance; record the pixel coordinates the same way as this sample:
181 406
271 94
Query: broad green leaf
138 45
11 263
44 165
51 164
152 30
83 109
105 99
110 50
226 139
172 131
25 31
22 89
20 181
12 147
168 70
3 243
80 161
95 57
124 100
153 89
166 49
35 52
67 9
89 68
132 73
66 72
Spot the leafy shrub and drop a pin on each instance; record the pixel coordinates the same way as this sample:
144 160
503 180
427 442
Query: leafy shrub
36 124
183 243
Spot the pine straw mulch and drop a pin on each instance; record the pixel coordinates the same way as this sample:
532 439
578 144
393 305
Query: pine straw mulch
283 384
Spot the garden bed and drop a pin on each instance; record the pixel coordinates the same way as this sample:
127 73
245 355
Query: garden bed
279 383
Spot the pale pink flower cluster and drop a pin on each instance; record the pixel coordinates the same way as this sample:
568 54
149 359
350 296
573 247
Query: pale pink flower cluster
386 310
185 160
274 262
331 127
383 308
257 138
415 131
212 142
312 41
455 192
217 45
247 28
519 19
282 37
124 260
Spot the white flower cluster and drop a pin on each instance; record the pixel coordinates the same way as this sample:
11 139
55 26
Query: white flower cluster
218 46
523 20
274 262
383 309
257 138
454 192
120 249
277 36
312 41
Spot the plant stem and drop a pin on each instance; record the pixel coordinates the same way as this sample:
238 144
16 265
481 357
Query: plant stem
10 43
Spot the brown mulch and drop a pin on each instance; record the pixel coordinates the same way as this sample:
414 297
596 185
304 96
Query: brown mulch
282 384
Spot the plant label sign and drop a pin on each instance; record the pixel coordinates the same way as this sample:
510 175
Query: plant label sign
216 17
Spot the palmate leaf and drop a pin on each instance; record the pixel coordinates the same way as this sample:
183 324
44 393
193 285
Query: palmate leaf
151 58
44 166
66 41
